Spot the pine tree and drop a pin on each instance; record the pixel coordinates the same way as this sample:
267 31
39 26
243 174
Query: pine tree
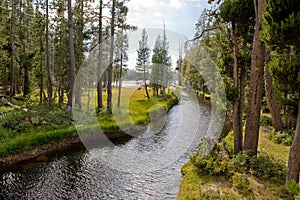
160 61
142 63
72 58
281 34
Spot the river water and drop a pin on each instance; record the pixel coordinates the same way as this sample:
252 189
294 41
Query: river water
80 175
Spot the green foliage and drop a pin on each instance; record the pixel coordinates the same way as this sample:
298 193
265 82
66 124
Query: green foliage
231 93
55 120
241 182
15 121
280 18
294 188
211 194
226 128
213 164
285 136
20 121
263 166
265 120
229 142
266 167
26 141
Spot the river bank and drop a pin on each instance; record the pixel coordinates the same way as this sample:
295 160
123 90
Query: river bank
264 180
69 139
145 167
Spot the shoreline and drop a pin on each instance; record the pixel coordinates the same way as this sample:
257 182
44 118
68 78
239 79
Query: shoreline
67 143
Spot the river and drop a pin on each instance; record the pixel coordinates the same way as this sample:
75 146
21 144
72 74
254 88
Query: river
78 175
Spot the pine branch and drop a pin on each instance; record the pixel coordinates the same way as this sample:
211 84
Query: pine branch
204 31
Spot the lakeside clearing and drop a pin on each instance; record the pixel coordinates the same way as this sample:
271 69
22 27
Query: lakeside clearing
55 130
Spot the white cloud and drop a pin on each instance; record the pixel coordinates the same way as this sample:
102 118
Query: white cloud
179 15
177 4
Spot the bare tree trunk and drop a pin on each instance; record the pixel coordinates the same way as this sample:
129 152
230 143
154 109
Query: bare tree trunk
145 81
47 58
12 67
256 84
294 157
78 88
111 59
41 71
100 62
272 101
237 113
120 81
164 64
72 59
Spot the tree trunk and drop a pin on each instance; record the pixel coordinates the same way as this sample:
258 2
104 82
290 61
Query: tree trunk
72 59
111 59
47 58
100 62
12 68
80 57
164 81
294 157
146 88
120 81
41 71
26 89
272 101
256 84
237 113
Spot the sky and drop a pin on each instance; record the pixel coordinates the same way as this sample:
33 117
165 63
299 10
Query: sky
180 17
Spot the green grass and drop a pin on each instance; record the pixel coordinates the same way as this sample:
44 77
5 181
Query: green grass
133 102
198 186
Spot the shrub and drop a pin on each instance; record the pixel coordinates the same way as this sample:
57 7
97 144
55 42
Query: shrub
241 162
214 164
294 188
285 136
15 121
241 183
265 167
55 120
218 195
265 120
226 128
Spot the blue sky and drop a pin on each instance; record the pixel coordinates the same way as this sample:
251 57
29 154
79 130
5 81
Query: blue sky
180 15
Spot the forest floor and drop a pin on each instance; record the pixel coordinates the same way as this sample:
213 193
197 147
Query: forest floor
258 183
47 132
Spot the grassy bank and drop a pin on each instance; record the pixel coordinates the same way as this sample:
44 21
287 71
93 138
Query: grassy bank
23 131
239 177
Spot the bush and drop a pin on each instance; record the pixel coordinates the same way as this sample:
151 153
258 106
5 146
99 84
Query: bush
18 121
55 120
241 183
265 120
285 136
218 195
294 188
228 126
265 167
15 121
213 164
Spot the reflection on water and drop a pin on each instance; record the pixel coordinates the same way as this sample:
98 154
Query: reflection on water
79 175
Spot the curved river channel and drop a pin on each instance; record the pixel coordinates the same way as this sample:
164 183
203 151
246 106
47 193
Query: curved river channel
78 175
